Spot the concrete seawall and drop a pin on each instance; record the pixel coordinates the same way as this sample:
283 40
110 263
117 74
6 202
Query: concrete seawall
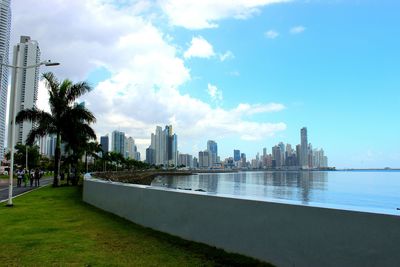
282 234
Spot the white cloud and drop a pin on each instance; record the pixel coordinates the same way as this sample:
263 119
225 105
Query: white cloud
259 108
146 72
199 47
195 14
297 29
225 56
271 34
216 95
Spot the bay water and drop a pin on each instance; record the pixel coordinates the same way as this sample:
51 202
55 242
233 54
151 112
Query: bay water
368 191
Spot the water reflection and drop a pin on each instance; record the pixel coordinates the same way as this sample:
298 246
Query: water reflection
302 186
369 190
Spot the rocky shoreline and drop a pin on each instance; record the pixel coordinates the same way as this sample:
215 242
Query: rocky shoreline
137 177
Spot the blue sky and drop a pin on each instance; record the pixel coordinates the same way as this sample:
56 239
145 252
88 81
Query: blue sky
332 66
340 77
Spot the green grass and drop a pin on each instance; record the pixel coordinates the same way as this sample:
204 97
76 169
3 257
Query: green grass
52 226
4 176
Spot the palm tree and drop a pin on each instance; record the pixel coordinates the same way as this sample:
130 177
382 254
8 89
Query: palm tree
92 149
64 119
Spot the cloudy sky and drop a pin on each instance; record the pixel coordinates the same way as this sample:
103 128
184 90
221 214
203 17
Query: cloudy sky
247 74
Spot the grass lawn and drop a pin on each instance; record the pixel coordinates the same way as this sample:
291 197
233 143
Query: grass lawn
52 226
4 176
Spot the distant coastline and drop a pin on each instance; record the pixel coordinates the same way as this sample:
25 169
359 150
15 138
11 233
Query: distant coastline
369 169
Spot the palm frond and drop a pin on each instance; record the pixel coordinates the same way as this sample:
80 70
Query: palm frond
51 81
77 90
33 115
80 113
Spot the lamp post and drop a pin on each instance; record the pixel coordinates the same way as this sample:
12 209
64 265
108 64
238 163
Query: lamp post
12 116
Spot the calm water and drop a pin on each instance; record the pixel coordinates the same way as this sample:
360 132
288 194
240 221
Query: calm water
371 191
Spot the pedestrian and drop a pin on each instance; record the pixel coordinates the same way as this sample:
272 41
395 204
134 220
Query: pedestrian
26 177
32 176
37 177
19 177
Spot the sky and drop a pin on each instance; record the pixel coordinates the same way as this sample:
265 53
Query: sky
247 74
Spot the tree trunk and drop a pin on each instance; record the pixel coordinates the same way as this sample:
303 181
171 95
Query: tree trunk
86 161
57 161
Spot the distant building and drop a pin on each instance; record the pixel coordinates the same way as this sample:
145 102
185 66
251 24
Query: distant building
164 144
304 148
104 142
212 147
243 160
195 162
276 156
150 153
236 155
204 160
118 142
185 160
26 53
282 148
298 155
131 149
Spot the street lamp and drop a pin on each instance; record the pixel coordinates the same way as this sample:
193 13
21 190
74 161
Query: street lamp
12 116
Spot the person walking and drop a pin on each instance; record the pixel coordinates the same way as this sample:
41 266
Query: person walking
32 176
19 177
37 177
26 177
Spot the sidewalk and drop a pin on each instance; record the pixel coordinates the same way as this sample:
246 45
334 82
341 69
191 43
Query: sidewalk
19 190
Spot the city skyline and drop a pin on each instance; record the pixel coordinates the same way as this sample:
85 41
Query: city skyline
250 82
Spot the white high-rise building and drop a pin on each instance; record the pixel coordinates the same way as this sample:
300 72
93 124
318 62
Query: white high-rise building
26 53
5 26
160 146
164 147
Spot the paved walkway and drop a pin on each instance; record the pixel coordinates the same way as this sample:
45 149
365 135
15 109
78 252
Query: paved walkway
19 190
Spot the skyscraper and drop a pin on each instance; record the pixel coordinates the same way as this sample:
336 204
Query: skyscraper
236 155
212 147
130 149
5 26
26 53
171 150
164 144
118 142
104 142
304 148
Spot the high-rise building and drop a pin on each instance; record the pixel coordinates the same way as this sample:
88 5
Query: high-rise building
150 156
159 146
298 155
104 142
171 140
185 160
276 156
26 53
304 148
204 159
5 26
282 148
131 149
118 142
236 155
212 147
243 159
164 144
